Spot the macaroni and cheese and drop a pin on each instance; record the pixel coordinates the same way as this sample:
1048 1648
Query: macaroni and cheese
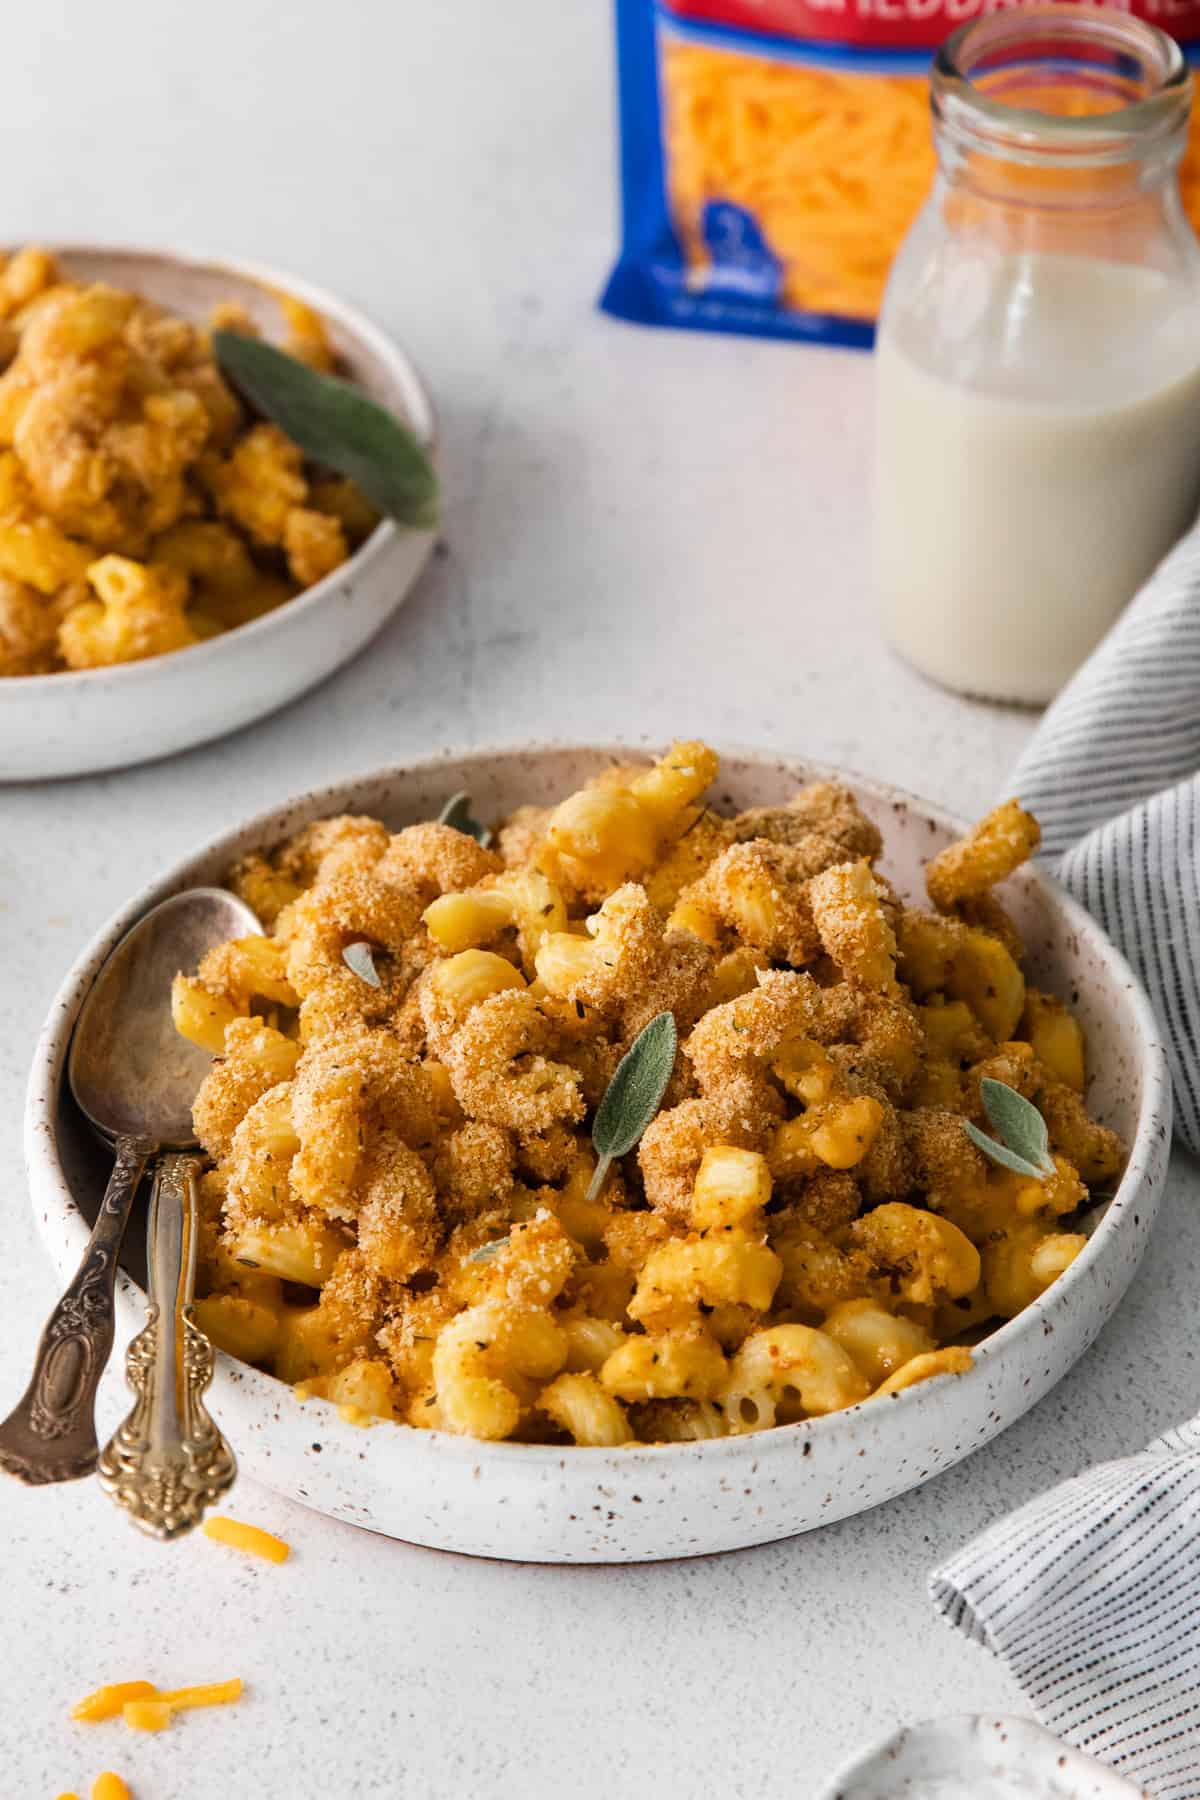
401 1213
141 509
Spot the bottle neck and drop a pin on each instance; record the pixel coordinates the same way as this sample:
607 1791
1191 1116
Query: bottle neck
1061 108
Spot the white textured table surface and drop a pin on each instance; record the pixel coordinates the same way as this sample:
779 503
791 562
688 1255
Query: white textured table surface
647 534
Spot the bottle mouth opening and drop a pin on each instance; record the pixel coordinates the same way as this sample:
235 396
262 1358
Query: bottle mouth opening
1063 81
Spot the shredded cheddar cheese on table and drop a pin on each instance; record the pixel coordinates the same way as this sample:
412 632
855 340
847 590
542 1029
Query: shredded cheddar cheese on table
109 1787
211 1693
108 1701
246 1537
147 1708
146 1715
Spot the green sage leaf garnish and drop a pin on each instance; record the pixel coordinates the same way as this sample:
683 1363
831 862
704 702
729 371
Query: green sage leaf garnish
1024 1141
634 1094
486 1252
457 812
358 957
336 425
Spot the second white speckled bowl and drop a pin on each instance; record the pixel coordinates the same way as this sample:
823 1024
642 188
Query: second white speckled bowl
79 722
977 1757
529 1502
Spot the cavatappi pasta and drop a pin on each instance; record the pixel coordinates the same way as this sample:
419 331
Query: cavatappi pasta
399 1215
832 164
142 510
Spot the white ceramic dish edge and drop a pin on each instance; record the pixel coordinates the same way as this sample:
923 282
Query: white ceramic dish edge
977 1756
648 1501
87 721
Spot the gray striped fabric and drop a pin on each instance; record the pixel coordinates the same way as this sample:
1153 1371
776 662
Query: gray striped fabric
1112 773
1089 1593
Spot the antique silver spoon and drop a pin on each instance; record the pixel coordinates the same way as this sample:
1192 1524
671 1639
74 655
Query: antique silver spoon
134 1078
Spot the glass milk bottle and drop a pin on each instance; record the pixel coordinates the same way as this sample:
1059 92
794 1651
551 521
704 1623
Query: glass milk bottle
1038 358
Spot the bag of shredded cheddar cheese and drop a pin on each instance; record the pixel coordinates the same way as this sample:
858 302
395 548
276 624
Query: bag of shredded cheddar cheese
775 152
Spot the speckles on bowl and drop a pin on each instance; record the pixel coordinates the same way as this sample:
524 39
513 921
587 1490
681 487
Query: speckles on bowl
529 1502
974 1753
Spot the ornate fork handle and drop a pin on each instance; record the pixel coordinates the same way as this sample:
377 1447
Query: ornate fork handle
51 1433
168 1462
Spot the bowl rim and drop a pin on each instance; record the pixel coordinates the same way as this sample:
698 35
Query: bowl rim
422 416
1153 1122
1026 1745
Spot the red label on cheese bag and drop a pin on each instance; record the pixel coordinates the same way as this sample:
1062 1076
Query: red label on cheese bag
892 24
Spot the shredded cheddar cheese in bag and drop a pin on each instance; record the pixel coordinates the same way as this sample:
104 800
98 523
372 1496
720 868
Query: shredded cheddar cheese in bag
774 154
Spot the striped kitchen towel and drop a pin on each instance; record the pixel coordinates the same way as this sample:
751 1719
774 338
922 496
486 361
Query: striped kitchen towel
1091 1593
1113 774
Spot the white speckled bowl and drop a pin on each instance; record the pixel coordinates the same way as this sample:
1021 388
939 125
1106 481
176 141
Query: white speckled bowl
977 1757
79 722
528 1502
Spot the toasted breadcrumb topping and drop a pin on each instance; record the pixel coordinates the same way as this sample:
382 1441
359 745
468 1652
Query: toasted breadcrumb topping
404 1217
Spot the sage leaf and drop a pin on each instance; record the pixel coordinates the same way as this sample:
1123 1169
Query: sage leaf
336 425
457 812
487 1251
1024 1141
1018 1121
358 958
634 1094
1000 1153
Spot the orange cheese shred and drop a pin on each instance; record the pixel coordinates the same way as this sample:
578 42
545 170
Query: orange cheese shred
147 1708
147 1715
246 1537
212 1693
109 1787
108 1701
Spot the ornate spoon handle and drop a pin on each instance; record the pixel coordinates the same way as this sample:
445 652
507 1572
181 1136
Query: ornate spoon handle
168 1462
51 1433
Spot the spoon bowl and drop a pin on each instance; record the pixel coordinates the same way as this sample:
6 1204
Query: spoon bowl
134 1079
131 1073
